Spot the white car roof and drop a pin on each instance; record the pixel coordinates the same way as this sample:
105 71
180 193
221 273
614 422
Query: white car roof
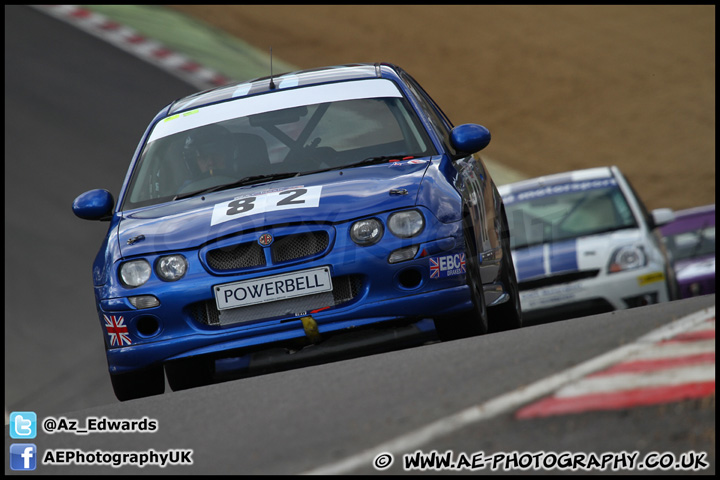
557 178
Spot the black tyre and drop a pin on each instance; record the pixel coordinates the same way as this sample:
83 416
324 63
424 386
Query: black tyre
191 373
673 287
475 321
508 315
138 384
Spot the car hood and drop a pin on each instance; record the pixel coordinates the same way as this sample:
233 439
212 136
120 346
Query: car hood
573 255
328 197
693 269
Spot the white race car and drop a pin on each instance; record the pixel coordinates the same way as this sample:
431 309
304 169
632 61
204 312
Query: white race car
584 243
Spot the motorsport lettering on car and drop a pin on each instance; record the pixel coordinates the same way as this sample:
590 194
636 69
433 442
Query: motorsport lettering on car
584 243
285 210
691 240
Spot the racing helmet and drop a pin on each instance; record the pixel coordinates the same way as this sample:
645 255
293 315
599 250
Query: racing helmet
208 145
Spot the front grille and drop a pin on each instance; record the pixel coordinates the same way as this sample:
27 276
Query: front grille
557 279
284 249
292 247
235 257
345 289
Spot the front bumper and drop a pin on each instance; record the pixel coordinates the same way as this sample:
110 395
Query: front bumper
232 341
187 322
600 294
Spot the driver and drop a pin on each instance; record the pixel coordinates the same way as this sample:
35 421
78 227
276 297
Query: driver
208 152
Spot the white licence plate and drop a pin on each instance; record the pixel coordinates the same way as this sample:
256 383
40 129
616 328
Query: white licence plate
273 288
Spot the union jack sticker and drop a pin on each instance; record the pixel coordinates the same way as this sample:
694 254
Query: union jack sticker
117 330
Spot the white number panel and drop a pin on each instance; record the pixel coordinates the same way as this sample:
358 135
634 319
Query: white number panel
297 197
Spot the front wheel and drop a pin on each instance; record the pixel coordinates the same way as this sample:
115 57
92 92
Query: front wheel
475 321
189 373
508 315
138 384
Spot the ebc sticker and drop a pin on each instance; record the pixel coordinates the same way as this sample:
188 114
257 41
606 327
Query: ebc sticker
447 265
298 197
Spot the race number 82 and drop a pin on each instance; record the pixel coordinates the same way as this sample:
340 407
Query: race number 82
299 197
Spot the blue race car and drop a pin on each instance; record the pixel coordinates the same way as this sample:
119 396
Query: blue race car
288 209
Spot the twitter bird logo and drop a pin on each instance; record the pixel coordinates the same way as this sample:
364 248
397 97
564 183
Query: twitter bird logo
23 425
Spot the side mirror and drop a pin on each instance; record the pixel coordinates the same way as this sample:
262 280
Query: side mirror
94 205
662 216
469 138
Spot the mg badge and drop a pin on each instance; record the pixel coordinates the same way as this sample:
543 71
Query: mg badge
265 239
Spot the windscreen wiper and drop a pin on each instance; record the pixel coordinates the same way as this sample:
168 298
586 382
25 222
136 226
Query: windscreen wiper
279 176
243 181
380 159
367 161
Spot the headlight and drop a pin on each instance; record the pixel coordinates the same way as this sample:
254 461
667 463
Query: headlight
366 232
406 224
135 272
171 268
627 258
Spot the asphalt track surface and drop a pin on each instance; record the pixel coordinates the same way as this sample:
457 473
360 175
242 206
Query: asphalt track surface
75 106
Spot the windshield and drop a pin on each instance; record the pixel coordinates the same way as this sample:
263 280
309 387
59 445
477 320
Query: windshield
695 243
549 214
256 140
